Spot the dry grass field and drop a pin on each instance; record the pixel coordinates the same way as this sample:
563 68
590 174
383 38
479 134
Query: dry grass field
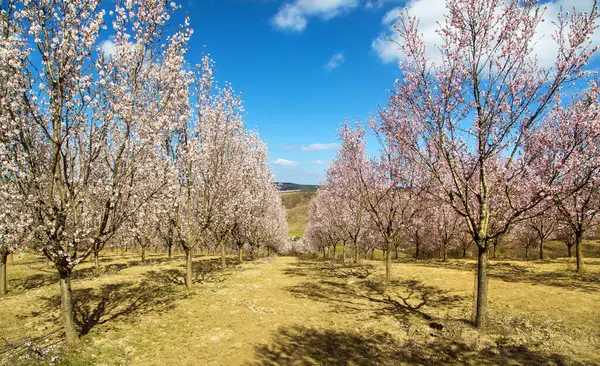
294 311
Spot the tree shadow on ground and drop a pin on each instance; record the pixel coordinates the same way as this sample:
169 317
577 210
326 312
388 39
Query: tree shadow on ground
399 299
514 273
50 276
34 281
203 271
299 346
347 289
328 269
123 301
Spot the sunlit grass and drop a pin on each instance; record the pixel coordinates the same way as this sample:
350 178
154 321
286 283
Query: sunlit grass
285 310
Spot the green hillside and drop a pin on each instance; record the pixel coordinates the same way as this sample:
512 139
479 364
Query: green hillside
286 186
297 204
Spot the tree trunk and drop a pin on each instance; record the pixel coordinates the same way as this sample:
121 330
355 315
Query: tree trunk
143 254
464 252
223 258
96 262
388 263
396 253
334 251
541 248
241 254
526 252
344 253
418 247
66 304
569 251
96 255
324 253
494 252
481 310
188 268
169 251
444 253
3 261
578 252
355 250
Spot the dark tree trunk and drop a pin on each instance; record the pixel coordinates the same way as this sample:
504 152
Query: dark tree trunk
444 253
396 253
464 252
96 262
417 249
481 307
355 250
143 254
169 249
96 255
223 258
240 254
541 248
578 251
188 267
388 263
3 260
569 251
334 251
66 304
526 252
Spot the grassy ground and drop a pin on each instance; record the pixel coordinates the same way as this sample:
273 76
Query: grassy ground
291 311
297 204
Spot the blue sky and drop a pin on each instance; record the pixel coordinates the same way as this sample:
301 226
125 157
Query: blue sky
304 66
297 86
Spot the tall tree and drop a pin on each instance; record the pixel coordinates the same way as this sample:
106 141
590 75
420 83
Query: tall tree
464 120
15 218
91 112
569 149
387 186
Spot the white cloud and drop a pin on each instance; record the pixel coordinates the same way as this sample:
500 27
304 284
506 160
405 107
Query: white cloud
319 162
430 12
293 16
335 61
108 48
284 162
377 4
316 147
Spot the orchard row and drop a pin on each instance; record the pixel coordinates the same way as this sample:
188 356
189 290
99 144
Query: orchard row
478 145
109 143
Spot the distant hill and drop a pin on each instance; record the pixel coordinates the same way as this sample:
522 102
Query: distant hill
296 205
287 186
